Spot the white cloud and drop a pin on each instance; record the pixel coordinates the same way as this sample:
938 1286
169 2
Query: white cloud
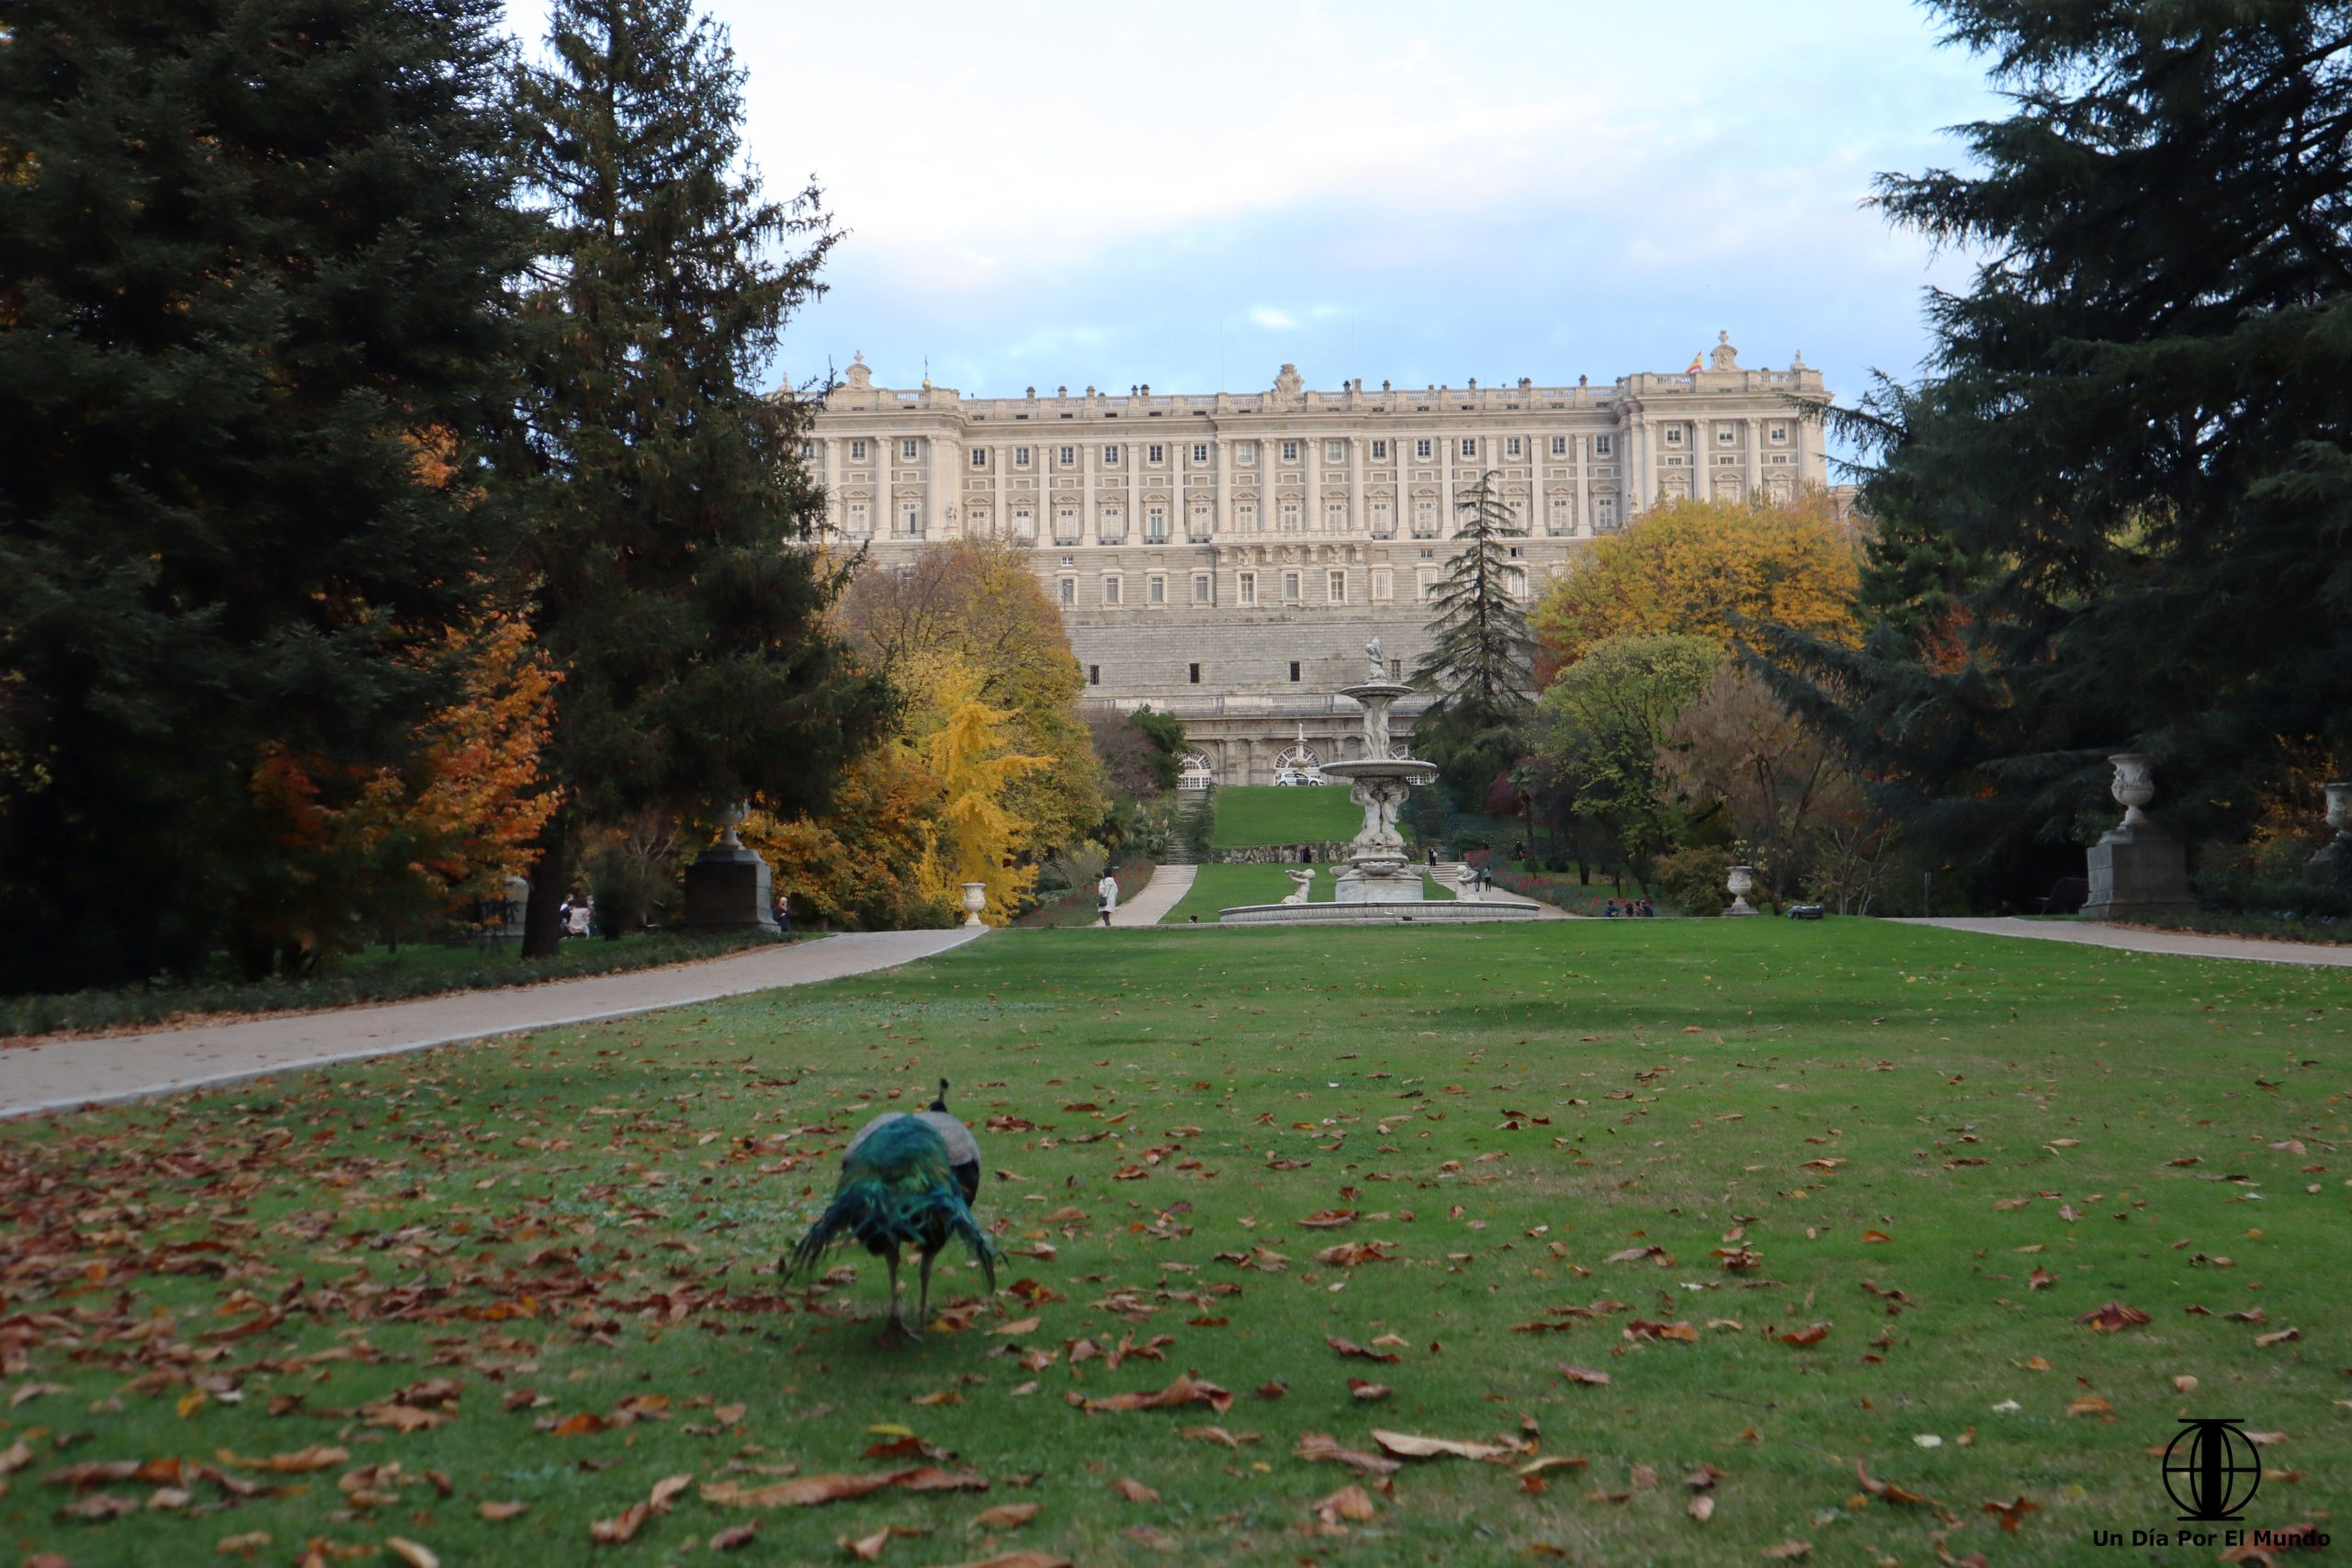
1272 319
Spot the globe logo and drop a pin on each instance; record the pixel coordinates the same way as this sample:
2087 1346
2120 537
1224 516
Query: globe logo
2212 1468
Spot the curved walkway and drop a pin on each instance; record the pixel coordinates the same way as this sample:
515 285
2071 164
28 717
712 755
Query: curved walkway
2184 944
1168 885
63 1075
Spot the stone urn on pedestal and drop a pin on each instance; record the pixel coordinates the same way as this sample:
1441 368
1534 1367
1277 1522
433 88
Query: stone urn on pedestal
976 898
729 886
1740 883
2332 867
2137 869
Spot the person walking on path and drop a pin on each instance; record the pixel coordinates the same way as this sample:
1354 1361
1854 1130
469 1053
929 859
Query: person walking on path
1106 895
784 913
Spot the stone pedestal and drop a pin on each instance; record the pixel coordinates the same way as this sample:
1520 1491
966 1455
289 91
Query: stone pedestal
1360 886
728 887
2136 872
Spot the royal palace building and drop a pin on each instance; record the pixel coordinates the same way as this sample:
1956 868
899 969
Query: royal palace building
1227 558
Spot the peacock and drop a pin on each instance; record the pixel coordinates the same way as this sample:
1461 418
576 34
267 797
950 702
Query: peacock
907 1179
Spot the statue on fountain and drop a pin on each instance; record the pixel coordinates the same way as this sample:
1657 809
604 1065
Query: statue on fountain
1379 670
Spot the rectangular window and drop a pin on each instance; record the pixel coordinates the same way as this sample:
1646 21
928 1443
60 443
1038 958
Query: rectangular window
1155 524
1335 451
1426 587
907 450
1290 451
1110 457
1155 590
1511 447
1069 457
1194 670
1291 510
807 451
861 521
1110 590
1094 674
1245 517
1069 586
1200 594
1470 446
1780 434
1024 522
1112 525
980 456
1245 452
1290 588
1021 456
1200 454
1725 436
1293 668
1065 524
1674 435
1245 588
1424 517
1380 451
910 520
1384 585
1156 455
1604 512
1335 588
857 451
1384 519
1421 450
1559 445
1600 446
1202 522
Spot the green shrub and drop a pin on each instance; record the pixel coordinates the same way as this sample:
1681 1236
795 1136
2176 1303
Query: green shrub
1692 880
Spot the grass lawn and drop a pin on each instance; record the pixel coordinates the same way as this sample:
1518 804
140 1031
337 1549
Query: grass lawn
1250 814
1218 887
1809 1197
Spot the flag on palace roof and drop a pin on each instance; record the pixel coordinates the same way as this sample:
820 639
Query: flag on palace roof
1694 364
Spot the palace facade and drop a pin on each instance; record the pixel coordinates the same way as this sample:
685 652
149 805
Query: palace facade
1226 557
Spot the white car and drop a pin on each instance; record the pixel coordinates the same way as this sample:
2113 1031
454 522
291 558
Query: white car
1292 777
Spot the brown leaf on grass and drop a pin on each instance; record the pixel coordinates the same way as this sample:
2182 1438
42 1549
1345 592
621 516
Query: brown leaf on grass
245 1544
1134 1491
1811 1333
866 1548
1349 1502
728 1415
1353 1254
1874 1236
1370 1393
415 1554
1409 1445
2090 1404
666 1490
1788 1550
1645 1328
586 1423
1641 1254
1885 1489
809 1491
1584 1375
2040 1279
2264 1341
1702 1508
1188 1389
318 1456
1326 1219
2012 1513
1218 1436
733 1536
1272 1388
1349 1347
499 1512
1317 1448
99 1506
1549 1462
403 1419
2114 1315
162 1472
15 1456
1004 1516
620 1531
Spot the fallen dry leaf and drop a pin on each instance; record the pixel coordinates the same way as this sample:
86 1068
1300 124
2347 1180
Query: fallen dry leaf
1788 1550
1702 1508
414 1553
2090 1404
1408 1445
1349 1502
1134 1491
733 1536
318 1456
1317 1448
1370 1393
1584 1375
2012 1513
2112 1316
1004 1516
499 1511
1189 1388
620 1531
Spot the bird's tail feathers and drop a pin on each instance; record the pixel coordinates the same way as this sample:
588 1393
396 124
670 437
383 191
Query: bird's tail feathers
883 1217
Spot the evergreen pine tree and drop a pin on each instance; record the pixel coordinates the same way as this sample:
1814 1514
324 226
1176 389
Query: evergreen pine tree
2114 513
671 582
1480 653
253 318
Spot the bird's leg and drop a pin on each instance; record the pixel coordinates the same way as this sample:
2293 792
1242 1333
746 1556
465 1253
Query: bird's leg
893 1327
922 1307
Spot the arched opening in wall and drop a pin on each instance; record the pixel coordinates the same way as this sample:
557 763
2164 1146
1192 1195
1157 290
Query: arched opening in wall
1198 772
1298 765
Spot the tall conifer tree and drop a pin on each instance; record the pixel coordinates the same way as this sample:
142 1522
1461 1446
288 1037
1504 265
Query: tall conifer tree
1480 653
671 580
252 263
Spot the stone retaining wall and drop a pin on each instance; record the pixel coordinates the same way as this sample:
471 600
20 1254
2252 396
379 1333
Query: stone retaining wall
1334 853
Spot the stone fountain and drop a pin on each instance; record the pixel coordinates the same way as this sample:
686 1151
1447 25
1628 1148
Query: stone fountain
1380 885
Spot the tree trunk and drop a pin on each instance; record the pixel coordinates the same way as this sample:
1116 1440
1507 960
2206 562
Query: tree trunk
551 878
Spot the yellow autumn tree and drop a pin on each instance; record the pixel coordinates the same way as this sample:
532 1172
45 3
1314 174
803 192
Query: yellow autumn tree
1687 567
981 830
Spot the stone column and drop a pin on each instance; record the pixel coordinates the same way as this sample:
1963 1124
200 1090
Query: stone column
1135 486
1754 429
1311 467
1224 487
1539 523
1088 531
836 504
1444 450
1001 459
883 516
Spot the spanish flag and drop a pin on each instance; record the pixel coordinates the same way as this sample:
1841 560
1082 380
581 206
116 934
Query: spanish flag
1694 364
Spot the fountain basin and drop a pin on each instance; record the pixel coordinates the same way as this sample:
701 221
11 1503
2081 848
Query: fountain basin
1411 770
1433 912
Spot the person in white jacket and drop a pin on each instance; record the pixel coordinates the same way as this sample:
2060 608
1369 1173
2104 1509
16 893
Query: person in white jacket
1107 897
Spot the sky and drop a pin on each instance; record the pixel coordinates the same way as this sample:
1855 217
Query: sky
1188 196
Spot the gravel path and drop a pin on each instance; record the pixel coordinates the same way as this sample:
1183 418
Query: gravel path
1154 898
2185 944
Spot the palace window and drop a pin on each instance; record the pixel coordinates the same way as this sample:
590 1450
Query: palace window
1245 452
1780 434
857 451
1335 515
1245 517
1194 670
1421 450
807 451
907 450
1600 446
910 520
1094 674
1156 455
1199 589
1200 454
1245 588
1069 457
980 456
1425 583
1383 519
1290 511
1674 435
1155 524
1110 588
1111 457
1155 590
1383 584
1604 512
1021 456
861 521
1470 446
1065 524
1559 445
1290 451
1380 451
1511 447
1725 436
1024 522
1112 525
1291 594
1335 588
1202 522
1560 520
1293 668
1424 517
979 518
1068 590
1335 451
